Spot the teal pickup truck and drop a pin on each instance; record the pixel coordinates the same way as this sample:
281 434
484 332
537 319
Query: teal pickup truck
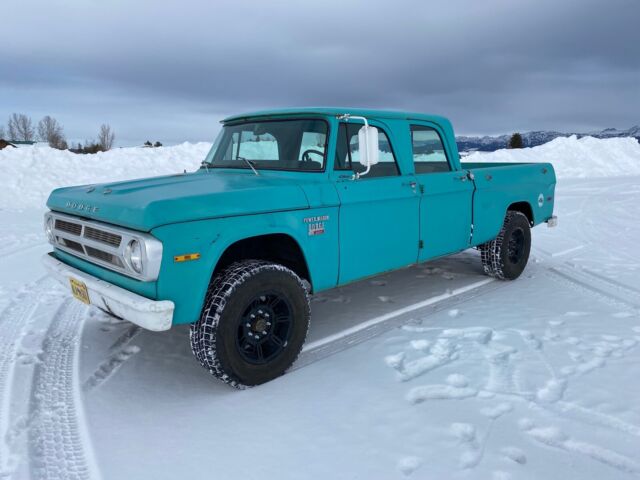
286 204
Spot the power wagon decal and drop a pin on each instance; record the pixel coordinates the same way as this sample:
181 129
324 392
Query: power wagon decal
315 225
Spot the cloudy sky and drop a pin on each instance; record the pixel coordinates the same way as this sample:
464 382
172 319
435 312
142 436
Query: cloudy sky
170 70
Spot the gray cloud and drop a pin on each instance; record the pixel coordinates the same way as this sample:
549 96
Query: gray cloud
170 70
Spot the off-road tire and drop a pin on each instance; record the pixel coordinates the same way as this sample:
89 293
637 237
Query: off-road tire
214 336
506 256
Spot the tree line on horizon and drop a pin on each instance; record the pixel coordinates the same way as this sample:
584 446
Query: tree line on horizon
20 128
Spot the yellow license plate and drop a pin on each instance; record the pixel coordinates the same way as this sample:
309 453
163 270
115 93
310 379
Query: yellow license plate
79 290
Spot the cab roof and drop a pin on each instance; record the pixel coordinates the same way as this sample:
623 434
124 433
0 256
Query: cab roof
334 111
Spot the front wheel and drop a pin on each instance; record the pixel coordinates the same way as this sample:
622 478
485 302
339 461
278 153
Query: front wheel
253 324
506 256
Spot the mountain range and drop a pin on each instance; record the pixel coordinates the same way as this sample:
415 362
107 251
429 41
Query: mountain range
532 139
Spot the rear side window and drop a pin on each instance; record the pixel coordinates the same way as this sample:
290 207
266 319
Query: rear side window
429 155
348 153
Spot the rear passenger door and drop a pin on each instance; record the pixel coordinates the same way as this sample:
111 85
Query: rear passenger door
378 212
445 205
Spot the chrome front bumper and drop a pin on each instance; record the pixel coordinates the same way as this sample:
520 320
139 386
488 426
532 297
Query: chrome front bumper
552 222
150 314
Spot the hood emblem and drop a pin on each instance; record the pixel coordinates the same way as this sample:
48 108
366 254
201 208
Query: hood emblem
91 189
82 207
106 191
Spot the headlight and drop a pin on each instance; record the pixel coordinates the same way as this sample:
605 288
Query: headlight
48 229
133 255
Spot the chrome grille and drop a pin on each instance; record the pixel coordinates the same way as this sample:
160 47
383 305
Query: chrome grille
69 227
102 236
104 256
103 244
70 244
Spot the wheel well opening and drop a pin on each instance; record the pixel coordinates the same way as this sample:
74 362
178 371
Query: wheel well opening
278 248
524 208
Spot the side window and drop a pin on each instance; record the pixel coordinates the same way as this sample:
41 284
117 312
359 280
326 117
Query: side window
343 160
348 153
429 155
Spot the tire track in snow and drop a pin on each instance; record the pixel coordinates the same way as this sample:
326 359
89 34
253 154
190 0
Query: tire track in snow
26 248
587 279
601 291
324 348
614 283
556 438
59 442
121 352
592 203
13 321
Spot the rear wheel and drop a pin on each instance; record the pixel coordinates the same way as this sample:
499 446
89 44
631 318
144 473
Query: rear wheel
506 256
253 324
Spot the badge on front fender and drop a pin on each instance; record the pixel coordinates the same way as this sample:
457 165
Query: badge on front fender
315 225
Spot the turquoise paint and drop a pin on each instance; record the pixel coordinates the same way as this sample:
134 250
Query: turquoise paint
185 283
378 227
148 203
376 237
500 185
371 225
446 198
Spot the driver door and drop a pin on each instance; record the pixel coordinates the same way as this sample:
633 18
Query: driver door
379 228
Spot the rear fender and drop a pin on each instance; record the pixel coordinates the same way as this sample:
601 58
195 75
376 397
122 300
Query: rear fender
505 187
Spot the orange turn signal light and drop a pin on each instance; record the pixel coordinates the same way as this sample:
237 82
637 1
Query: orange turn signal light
187 257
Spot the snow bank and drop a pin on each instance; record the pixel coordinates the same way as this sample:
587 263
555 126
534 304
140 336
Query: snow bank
30 173
576 158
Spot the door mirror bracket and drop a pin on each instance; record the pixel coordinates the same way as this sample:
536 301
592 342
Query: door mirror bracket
367 143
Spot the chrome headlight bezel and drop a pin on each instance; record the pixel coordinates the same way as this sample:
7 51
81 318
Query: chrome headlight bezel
48 229
133 255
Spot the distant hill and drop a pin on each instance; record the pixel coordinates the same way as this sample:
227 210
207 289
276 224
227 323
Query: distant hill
533 139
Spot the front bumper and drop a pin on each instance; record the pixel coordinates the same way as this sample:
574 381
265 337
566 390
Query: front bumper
150 314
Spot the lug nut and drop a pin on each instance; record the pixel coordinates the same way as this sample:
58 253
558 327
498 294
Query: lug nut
252 316
267 315
250 334
264 332
268 324
248 325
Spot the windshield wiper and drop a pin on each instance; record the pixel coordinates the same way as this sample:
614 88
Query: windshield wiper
205 164
250 163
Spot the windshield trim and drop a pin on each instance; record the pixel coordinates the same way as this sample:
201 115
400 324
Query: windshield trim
207 165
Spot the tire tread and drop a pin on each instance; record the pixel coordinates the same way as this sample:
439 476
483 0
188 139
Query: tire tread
491 251
203 333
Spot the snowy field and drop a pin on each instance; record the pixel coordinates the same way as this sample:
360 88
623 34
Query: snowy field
453 376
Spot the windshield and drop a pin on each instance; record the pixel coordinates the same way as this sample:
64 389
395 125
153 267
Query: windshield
298 145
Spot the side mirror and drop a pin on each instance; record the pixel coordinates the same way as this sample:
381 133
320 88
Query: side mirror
368 143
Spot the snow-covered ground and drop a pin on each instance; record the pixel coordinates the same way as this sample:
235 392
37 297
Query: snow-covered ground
453 376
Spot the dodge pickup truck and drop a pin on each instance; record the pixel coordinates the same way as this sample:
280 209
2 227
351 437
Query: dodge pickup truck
286 204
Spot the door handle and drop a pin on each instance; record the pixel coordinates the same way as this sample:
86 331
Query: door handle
413 185
462 178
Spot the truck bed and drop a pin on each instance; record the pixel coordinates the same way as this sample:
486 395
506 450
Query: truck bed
499 185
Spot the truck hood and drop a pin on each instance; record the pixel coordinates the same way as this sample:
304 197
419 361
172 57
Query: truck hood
148 203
